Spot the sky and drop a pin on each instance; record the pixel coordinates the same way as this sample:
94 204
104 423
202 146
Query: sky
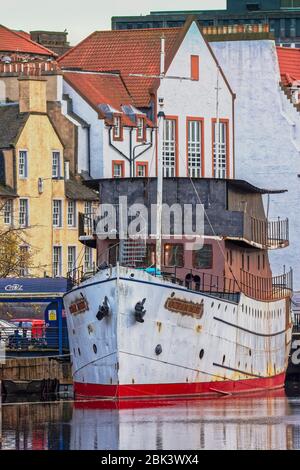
82 17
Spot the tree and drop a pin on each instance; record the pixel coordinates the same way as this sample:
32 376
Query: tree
15 253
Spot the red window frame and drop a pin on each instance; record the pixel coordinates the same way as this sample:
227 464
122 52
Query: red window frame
118 162
224 121
195 63
201 120
145 164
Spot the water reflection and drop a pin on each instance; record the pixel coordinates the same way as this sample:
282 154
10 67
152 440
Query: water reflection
257 422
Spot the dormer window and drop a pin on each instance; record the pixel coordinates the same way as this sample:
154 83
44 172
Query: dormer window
141 129
118 133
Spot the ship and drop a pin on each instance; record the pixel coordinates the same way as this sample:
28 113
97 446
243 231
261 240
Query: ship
157 320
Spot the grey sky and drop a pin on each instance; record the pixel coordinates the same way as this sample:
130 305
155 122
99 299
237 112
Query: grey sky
81 17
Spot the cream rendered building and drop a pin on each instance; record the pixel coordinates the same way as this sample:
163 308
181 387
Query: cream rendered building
39 193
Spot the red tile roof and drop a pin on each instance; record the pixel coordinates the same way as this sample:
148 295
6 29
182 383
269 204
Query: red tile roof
99 89
126 51
11 41
289 64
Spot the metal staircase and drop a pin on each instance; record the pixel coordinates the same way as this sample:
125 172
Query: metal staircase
132 252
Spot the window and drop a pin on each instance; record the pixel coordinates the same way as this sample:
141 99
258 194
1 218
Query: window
142 170
24 252
195 67
151 255
141 129
23 164
71 258
8 212
290 4
55 165
203 258
220 151
57 261
118 169
118 132
88 215
71 214
88 259
173 255
194 147
23 213
57 213
169 148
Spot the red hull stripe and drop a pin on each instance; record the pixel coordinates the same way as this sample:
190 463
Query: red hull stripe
178 390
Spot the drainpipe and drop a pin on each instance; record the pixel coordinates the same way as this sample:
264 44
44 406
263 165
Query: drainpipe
89 148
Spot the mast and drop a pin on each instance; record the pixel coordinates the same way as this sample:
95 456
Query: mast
217 131
160 176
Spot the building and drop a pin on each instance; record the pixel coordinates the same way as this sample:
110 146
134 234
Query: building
57 41
39 192
282 16
267 129
121 109
17 46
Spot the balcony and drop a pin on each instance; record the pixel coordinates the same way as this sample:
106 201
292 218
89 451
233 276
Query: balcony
268 234
87 228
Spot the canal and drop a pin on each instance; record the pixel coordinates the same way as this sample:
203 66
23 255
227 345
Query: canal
266 422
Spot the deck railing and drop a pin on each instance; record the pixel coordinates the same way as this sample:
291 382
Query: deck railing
266 288
271 234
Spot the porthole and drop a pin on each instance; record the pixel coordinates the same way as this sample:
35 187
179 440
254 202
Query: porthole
132 275
158 349
212 305
95 349
201 355
173 294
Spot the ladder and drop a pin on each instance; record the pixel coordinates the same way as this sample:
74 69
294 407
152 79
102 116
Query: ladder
132 251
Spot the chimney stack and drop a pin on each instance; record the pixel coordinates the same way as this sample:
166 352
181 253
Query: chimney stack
32 95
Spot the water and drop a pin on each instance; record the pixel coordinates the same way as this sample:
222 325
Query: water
256 422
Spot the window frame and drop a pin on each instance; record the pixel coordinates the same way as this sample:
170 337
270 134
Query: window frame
74 224
201 120
11 202
164 254
73 247
195 68
61 213
143 164
143 137
225 121
59 175
61 261
24 270
26 224
25 176
211 266
89 250
176 150
118 162
120 135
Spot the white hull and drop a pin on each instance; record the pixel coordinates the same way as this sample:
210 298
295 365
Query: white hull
245 344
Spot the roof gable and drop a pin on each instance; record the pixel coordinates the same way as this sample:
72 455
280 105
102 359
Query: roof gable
130 52
126 51
12 41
